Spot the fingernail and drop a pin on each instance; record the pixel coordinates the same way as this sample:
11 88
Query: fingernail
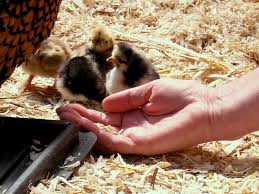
64 114
61 116
59 110
69 117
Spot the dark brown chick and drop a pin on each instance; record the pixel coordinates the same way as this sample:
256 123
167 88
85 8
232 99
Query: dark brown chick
131 68
52 53
83 76
80 80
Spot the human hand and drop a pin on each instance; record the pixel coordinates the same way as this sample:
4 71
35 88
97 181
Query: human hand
161 116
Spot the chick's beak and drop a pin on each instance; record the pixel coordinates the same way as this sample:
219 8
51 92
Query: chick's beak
112 60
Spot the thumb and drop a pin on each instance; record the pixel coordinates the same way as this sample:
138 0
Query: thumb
129 99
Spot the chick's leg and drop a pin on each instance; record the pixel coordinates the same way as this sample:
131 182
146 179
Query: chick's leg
52 89
28 85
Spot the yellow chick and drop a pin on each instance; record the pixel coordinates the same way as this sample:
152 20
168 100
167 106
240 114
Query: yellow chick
101 40
98 48
52 53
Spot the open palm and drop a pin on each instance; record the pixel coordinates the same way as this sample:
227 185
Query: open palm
158 117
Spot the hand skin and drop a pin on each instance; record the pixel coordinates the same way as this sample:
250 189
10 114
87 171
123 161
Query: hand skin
168 115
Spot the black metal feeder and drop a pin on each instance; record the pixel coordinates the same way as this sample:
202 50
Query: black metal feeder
30 149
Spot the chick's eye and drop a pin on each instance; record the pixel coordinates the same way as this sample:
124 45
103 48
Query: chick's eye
121 60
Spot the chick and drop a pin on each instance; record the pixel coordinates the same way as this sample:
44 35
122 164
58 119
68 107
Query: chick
83 76
131 69
99 47
80 80
52 53
101 40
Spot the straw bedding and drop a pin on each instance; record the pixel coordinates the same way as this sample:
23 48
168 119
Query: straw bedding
213 41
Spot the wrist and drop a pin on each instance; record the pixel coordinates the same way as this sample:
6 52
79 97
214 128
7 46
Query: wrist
230 114
214 102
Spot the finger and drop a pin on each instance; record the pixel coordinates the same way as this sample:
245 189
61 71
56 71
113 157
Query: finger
95 116
151 108
128 99
76 119
114 143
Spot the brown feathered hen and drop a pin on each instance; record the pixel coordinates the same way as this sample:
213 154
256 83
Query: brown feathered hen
23 26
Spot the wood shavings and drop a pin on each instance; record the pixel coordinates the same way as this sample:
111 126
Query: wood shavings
63 180
90 3
72 166
164 165
232 145
213 42
107 128
154 178
169 181
69 159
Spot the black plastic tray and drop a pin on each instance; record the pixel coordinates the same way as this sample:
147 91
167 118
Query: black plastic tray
61 139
